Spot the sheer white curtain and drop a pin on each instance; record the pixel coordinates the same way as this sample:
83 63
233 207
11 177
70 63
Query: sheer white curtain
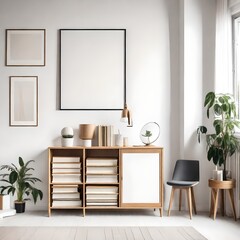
224 76
223 48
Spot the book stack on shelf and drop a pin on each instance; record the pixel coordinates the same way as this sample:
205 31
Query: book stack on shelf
105 135
66 196
102 170
101 196
66 170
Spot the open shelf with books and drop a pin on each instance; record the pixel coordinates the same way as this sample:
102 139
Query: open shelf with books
102 196
105 178
66 189
66 196
102 178
102 170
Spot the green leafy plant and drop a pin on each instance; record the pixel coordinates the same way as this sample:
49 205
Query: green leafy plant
222 143
20 181
147 134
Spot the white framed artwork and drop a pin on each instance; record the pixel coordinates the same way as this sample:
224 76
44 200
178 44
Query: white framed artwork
92 69
23 101
25 47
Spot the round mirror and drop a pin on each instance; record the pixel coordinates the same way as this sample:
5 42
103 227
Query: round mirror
150 133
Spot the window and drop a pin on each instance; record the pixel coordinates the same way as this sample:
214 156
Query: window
236 60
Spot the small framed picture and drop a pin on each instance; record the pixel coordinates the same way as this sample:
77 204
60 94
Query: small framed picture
23 101
25 47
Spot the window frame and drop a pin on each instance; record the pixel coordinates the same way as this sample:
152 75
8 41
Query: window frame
236 60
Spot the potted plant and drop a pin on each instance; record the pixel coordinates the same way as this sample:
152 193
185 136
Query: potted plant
222 143
67 137
20 180
147 134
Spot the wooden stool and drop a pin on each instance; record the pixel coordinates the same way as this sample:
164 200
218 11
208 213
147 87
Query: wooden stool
217 186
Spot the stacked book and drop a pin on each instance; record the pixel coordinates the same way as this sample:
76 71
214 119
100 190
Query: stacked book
66 170
101 170
105 135
102 162
101 196
66 196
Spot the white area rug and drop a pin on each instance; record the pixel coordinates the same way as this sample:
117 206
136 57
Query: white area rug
100 233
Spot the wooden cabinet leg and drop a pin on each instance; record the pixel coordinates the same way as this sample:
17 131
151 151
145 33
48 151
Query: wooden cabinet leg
84 212
161 212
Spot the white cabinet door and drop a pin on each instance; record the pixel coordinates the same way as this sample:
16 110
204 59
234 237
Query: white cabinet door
140 178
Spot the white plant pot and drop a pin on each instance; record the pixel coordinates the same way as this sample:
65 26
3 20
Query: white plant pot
67 142
87 143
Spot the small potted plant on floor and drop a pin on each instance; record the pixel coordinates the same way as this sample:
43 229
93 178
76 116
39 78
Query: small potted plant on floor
223 143
20 180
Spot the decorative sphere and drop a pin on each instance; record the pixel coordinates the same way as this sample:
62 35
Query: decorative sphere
67 131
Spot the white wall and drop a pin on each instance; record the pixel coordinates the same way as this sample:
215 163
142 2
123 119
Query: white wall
155 55
197 39
148 73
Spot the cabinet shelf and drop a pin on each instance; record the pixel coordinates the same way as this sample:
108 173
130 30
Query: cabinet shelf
101 184
61 183
65 184
65 162
66 173
102 174
102 193
102 207
110 178
66 207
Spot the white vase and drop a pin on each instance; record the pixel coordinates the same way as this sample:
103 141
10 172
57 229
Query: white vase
87 143
67 142
218 175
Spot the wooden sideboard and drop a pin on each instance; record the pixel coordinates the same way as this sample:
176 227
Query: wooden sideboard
105 178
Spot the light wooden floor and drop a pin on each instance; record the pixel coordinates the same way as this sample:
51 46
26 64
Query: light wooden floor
99 233
221 229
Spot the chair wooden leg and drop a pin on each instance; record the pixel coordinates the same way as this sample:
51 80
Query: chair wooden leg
180 199
193 201
171 200
190 199
188 191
